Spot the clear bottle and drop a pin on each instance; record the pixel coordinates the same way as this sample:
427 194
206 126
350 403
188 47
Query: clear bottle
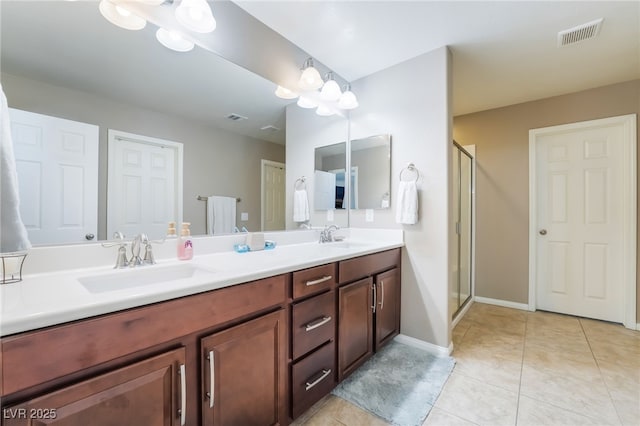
185 245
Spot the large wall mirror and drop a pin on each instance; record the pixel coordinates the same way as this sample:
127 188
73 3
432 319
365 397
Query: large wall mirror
329 182
63 59
371 172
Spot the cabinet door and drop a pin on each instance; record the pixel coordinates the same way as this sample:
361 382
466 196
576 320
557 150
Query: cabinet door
147 393
244 373
387 307
355 326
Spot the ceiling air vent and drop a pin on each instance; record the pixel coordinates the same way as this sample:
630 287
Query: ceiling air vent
236 117
270 128
580 33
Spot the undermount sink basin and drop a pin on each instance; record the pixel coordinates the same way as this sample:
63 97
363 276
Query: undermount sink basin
346 244
144 275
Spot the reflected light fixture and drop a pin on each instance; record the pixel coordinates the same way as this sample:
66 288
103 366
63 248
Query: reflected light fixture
306 101
331 90
119 15
196 15
284 93
348 99
173 40
324 110
310 78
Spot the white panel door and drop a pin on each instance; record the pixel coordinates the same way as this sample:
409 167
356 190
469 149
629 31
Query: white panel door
273 201
144 185
324 190
57 165
580 222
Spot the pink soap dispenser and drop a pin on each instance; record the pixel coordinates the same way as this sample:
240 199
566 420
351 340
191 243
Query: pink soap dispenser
185 245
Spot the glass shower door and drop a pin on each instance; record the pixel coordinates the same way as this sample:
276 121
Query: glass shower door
462 209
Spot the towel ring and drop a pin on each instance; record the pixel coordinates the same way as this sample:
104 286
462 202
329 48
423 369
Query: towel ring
410 168
302 180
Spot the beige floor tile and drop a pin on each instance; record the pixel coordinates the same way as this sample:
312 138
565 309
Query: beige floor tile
458 336
580 365
538 413
489 368
349 414
549 320
304 417
556 339
623 355
628 411
623 382
602 330
479 311
439 417
507 345
589 398
323 419
478 402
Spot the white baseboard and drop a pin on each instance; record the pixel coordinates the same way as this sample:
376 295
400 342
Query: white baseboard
638 326
421 344
498 302
461 314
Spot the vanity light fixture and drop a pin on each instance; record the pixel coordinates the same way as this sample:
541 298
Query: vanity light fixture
331 90
284 93
119 15
310 78
173 40
348 99
307 101
196 15
324 110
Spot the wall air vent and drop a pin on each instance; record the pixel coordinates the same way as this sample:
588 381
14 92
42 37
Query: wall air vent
270 128
236 117
580 33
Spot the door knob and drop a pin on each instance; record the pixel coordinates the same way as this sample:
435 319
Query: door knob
543 232
89 237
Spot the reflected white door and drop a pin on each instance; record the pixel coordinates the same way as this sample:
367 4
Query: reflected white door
273 193
57 165
324 190
144 184
580 223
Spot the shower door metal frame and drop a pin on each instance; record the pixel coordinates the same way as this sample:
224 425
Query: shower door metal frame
463 151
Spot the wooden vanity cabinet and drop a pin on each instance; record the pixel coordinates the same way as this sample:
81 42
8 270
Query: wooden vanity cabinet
147 393
244 373
369 307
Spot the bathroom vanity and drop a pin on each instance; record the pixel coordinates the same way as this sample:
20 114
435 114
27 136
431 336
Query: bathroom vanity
258 352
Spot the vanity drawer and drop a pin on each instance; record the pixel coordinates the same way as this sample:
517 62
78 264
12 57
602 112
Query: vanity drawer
314 323
364 266
312 378
313 280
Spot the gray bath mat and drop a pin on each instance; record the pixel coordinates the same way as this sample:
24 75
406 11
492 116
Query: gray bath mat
399 384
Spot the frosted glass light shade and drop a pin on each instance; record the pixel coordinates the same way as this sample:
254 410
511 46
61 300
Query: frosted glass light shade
324 110
307 102
196 15
310 79
348 100
284 93
173 40
120 16
330 91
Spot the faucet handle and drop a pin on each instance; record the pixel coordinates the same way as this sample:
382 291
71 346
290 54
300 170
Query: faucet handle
121 260
136 260
148 254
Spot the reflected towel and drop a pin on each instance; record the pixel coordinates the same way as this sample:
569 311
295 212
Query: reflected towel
221 215
300 205
407 204
13 234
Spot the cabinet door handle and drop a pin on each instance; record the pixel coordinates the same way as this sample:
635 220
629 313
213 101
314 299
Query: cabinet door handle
212 378
325 374
382 295
319 280
317 323
375 297
183 394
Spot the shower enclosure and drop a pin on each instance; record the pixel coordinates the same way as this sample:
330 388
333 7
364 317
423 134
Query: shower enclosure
462 218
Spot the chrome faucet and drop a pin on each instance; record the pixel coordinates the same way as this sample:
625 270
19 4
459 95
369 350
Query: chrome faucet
326 235
136 260
148 251
121 260
139 240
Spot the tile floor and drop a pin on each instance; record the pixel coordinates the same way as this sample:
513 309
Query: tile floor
522 368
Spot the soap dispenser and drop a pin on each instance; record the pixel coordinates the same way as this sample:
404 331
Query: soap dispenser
185 245
171 232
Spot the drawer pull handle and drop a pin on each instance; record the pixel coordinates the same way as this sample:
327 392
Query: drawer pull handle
212 378
317 323
183 394
319 280
382 295
375 297
325 374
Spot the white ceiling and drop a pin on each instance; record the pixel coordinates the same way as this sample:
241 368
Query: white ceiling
504 52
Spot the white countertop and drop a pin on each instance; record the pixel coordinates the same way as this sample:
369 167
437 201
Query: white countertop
52 298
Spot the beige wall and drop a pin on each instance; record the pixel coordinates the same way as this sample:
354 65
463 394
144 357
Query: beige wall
216 162
501 137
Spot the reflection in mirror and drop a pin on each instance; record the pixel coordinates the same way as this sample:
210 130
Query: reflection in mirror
371 170
64 60
329 184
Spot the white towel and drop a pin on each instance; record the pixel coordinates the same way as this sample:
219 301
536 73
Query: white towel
407 203
221 215
300 205
13 234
